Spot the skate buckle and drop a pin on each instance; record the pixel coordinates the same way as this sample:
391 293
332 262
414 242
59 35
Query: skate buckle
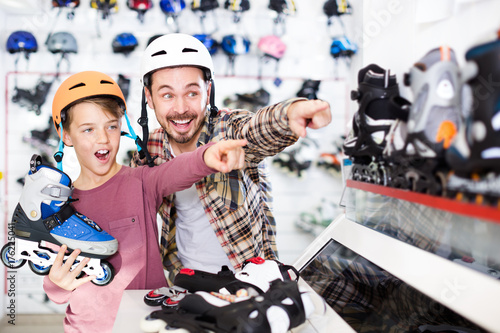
187 271
256 260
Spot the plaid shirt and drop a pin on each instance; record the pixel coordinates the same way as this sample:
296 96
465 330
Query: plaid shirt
238 204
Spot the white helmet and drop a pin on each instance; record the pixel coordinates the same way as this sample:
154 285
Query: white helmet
176 49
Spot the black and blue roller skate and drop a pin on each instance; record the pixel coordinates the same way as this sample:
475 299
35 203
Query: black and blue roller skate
380 106
45 214
417 147
278 310
474 156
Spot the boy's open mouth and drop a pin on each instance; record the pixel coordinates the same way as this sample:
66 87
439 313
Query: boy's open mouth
102 154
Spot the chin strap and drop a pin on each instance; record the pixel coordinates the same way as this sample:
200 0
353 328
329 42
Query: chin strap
59 154
142 145
213 109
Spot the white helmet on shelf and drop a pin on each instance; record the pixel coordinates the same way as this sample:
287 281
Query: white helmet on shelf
174 50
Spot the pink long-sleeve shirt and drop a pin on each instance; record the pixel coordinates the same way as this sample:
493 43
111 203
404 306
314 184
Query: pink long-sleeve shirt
126 206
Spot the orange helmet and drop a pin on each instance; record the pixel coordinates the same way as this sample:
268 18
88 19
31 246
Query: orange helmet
81 86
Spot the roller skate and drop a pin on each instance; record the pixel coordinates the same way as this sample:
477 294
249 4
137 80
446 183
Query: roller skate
248 101
417 147
315 220
297 159
380 106
283 307
255 276
309 89
474 156
44 214
331 160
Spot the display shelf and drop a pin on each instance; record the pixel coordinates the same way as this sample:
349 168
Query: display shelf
468 209
464 233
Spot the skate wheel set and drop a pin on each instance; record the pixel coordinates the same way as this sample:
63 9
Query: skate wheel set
45 215
200 301
446 142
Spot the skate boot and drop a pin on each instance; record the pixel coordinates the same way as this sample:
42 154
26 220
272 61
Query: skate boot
315 220
45 214
379 107
280 309
297 159
474 154
309 89
249 101
33 100
255 277
418 146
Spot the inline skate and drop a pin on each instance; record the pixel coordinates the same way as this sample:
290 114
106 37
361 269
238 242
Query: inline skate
254 277
283 307
416 148
380 106
474 156
45 214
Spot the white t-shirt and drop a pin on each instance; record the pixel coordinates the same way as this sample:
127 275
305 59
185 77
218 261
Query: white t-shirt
197 243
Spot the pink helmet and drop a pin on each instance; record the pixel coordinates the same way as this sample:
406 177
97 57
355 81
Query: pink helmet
272 46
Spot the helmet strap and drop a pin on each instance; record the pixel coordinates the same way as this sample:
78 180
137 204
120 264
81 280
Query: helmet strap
143 144
213 109
58 156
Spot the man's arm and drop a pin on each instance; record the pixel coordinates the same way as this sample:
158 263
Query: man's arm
273 128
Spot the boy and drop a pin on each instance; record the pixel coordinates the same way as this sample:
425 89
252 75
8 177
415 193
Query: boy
87 111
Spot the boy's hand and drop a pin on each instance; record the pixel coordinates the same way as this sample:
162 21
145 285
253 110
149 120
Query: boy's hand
312 113
60 272
226 155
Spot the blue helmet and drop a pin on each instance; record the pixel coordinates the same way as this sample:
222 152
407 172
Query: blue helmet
342 47
172 7
211 44
65 3
235 45
22 41
124 43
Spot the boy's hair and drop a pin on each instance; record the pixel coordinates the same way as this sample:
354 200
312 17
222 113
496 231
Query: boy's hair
109 105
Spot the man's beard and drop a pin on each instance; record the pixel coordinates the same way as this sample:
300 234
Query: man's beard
184 138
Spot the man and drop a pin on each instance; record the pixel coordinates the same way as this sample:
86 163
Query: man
225 218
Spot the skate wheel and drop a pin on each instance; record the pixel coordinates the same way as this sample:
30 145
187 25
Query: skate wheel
8 256
40 269
109 273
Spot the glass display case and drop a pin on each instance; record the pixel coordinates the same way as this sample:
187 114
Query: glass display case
400 261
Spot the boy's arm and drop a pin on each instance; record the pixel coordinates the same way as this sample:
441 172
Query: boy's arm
186 169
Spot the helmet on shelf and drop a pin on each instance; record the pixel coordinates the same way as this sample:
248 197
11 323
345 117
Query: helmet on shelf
237 5
204 5
62 42
124 43
140 5
173 50
22 41
65 3
211 44
272 46
286 7
342 47
235 45
81 86
172 7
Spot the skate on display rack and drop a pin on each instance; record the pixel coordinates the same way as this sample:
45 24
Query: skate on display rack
408 261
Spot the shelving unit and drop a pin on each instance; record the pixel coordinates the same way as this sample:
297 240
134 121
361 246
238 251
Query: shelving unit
409 261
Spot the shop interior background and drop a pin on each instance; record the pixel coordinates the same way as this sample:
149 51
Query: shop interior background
391 33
